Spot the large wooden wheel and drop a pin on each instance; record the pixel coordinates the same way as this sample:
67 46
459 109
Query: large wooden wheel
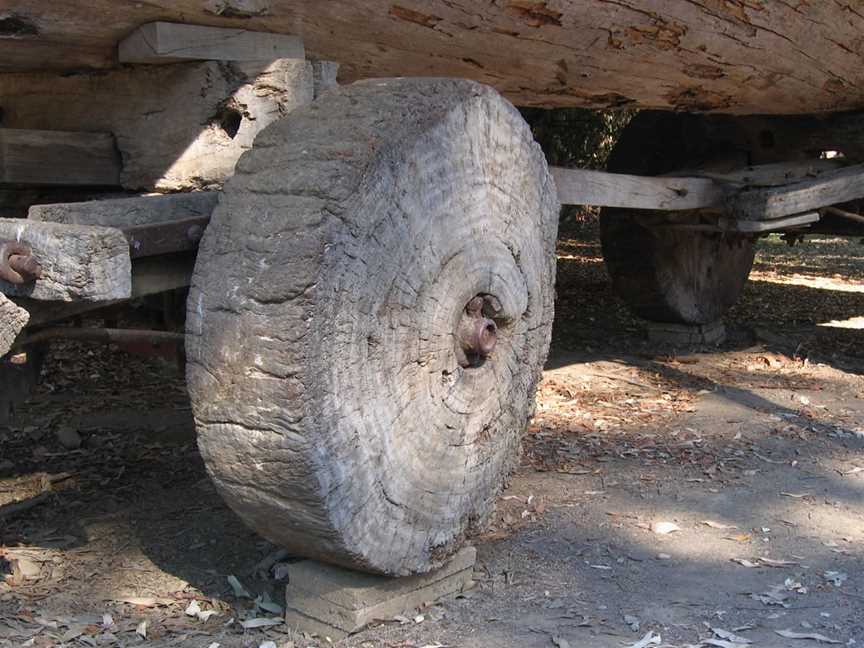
666 274
368 320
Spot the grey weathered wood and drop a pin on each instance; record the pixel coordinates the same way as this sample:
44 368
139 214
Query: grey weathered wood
585 187
128 212
165 42
771 175
331 408
150 276
13 319
738 57
178 127
53 157
78 262
829 188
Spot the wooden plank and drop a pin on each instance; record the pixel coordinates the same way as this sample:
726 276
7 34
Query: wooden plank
46 157
754 227
78 262
770 175
155 239
13 319
165 42
128 212
178 127
828 189
584 187
736 57
150 276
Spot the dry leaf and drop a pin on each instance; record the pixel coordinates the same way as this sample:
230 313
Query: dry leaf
730 636
718 525
770 562
261 622
740 537
650 639
745 563
795 495
141 629
664 528
815 636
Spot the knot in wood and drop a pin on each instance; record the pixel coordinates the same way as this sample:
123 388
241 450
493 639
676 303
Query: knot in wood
478 332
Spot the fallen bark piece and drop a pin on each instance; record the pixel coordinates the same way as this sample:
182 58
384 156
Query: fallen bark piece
78 262
13 319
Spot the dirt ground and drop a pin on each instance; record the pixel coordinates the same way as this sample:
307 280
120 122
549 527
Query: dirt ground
665 498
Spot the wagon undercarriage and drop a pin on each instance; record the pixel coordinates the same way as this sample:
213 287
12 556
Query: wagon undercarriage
371 284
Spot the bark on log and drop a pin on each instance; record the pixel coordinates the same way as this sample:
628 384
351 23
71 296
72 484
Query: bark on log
332 410
178 127
78 262
13 319
700 55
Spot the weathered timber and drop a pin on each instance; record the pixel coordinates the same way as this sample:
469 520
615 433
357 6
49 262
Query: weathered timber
53 157
829 188
680 274
585 187
177 127
13 319
768 175
776 224
78 262
164 42
150 276
128 212
737 57
165 238
332 410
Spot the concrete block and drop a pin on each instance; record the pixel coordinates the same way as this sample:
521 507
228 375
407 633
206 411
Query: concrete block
334 602
681 335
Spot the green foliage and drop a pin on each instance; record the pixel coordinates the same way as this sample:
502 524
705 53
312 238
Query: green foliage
576 137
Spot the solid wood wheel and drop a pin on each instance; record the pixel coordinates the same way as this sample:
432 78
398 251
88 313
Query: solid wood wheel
665 274
368 320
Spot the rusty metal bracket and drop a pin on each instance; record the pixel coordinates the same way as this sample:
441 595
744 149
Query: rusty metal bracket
17 263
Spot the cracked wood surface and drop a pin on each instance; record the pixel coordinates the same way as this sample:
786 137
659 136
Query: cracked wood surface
331 409
735 56
13 319
79 262
177 127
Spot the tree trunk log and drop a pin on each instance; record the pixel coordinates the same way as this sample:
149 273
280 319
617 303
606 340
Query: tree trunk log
702 55
340 269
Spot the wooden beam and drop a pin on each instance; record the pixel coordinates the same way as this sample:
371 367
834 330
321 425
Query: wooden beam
13 319
78 262
583 187
828 189
44 157
166 42
129 212
178 127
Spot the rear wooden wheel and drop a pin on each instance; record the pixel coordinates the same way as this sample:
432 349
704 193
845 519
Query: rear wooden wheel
665 274
368 320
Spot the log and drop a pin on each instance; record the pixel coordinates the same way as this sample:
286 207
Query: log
340 411
179 127
736 57
164 42
78 262
585 187
13 319
829 188
678 274
52 157
128 212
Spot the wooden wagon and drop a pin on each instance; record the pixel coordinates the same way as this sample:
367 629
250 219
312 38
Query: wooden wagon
372 297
